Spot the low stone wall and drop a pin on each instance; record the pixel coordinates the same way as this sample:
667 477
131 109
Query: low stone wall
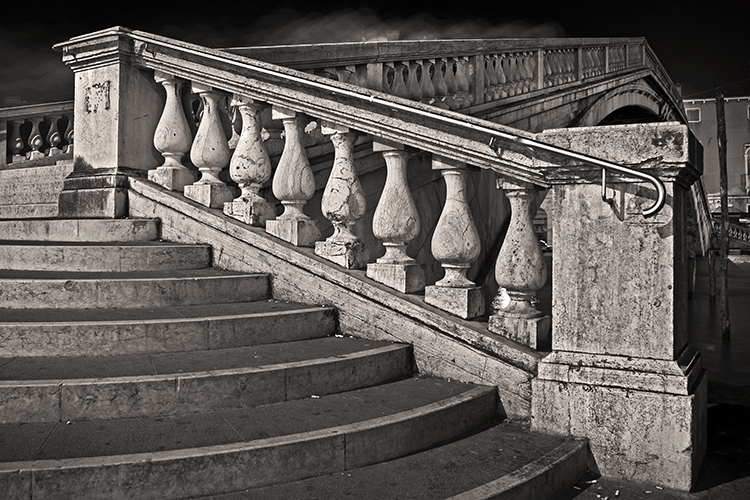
31 191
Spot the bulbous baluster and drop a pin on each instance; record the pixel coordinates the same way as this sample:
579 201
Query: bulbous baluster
210 152
273 129
462 82
15 142
492 84
53 137
520 271
455 244
425 82
413 89
172 137
343 203
250 167
293 184
396 223
68 135
438 81
36 141
450 84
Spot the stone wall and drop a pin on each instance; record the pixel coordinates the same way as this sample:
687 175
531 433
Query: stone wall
31 191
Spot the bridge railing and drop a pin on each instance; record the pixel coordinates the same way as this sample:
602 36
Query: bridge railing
461 74
36 131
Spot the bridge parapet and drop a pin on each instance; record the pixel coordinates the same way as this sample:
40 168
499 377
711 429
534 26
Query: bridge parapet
35 131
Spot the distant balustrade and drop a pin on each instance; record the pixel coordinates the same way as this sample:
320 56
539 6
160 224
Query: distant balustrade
35 132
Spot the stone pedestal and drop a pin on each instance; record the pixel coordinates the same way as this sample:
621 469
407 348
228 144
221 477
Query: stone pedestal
100 193
534 332
622 372
210 195
465 303
349 254
172 178
298 232
406 278
256 213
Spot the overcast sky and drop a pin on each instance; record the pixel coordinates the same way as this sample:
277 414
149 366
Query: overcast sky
698 48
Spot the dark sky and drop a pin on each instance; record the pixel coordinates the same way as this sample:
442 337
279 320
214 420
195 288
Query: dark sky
699 48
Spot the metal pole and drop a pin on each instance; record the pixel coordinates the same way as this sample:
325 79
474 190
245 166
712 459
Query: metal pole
723 236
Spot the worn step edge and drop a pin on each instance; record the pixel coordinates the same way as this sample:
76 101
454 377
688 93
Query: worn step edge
81 229
103 258
132 293
226 468
546 478
172 394
96 338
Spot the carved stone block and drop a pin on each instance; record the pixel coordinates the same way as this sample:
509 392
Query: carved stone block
534 332
174 179
252 213
349 254
210 195
298 232
466 303
406 278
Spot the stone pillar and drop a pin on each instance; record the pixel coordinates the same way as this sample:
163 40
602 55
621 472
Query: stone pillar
396 222
343 203
250 167
455 244
293 184
116 112
210 153
621 372
520 271
172 138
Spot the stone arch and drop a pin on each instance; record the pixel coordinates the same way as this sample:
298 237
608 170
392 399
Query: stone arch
634 94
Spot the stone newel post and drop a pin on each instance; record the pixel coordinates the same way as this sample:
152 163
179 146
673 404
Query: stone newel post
293 184
621 372
396 222
455 244
172 138
520 271
250 167
343 203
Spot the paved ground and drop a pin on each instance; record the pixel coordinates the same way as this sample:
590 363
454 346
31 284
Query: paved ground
725 474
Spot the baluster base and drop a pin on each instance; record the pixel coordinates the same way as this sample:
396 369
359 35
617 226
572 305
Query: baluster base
34 155
533 332
54 151
211 195
298 232
465 303
174 179
406 278
254 213
95 193
348 254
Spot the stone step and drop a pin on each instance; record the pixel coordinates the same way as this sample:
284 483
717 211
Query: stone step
230 450
97 332
504 461
102 257
82 290
90 230
52 389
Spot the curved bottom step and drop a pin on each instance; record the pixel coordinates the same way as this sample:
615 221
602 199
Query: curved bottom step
504 462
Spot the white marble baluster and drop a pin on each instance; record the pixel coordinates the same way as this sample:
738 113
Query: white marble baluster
450 83
455 244
250 167
293 184
15 142
172 138
343 203
438 81
53 137
520 271
462 82
413 88
210 152
396 223
68 135
36 141
273 129
425 82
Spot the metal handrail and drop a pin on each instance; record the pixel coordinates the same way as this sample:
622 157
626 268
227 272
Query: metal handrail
372 97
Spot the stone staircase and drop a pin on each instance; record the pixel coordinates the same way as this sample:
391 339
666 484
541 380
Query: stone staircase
131 368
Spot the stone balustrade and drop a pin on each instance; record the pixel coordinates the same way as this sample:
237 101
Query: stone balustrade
37 131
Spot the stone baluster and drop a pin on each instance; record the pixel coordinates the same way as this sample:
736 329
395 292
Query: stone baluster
210 152
396 223
16 142
427 90
53 137
520 271
36 141
397 86
450 83
513 75
491 86
438 81
293 184
455 244
413 88
172 137
68 135
343 203
462 82
250 167
272 131
569 58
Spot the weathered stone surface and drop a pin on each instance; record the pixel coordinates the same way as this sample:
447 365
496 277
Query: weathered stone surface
102 230
465 302
254 213
210 195
348 254
406 278
172 178
533 332
298 232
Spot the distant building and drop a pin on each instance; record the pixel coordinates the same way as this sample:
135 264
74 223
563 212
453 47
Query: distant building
701 115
